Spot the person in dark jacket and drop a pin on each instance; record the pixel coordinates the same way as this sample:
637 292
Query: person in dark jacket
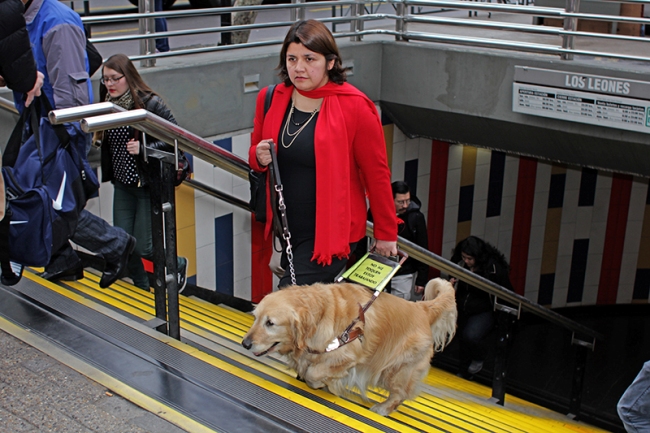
123 163
408 283
58 44
17 66
410 280
476 307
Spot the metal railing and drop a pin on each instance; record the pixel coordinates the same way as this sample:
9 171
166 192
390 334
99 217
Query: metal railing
397 24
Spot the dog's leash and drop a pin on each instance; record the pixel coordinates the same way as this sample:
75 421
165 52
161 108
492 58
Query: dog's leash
282 207
351 333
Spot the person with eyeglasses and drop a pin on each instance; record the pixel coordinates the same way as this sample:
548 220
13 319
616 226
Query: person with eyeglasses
123 163
58 43
409 281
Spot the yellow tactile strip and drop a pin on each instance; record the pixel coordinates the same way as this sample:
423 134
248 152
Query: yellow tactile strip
451 403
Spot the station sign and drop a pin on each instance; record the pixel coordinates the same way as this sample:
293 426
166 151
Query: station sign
592 99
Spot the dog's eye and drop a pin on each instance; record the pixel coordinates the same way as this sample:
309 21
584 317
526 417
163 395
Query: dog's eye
269 322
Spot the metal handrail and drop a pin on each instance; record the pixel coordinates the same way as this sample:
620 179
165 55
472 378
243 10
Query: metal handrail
8 105
187 141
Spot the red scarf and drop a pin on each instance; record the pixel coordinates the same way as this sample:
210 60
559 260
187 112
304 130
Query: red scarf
332 150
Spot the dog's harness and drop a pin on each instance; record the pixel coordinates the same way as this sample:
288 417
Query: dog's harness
351 333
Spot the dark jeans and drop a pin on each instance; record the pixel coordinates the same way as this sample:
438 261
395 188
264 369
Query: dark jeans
308 272
132 212
472 331
162 44
93 234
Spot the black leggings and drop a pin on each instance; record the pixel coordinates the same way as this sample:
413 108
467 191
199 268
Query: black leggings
307 271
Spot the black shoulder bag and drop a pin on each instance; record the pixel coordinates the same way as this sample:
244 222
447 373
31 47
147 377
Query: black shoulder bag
257 180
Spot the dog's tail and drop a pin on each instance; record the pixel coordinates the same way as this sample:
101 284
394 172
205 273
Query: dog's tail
440 306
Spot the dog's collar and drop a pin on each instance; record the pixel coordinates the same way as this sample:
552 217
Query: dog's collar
351 333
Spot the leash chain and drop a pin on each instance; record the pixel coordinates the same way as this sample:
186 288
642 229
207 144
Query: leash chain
286 235
285 232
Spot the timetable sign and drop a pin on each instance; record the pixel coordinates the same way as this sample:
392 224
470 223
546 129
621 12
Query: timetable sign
609 102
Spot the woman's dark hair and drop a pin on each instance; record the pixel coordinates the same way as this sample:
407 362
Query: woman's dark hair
316 37
483 253
123 65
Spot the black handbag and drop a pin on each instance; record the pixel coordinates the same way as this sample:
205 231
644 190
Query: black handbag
258 185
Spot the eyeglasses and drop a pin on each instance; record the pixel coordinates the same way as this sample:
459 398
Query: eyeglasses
105 80
403 202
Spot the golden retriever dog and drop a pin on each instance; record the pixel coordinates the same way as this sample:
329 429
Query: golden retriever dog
394 352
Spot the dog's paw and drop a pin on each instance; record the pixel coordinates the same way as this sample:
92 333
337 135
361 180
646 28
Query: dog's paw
381 409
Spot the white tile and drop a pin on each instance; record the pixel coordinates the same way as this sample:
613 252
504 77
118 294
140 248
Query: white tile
583 222
481 182
205 267
455 157
242 256
241 221
398 135
479 209
452 192
424 166
569 206
240 145
412 149
243 289
483 157
204 220
490 230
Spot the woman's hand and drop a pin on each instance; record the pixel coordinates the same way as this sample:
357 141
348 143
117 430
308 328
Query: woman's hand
263 153
133 147
386 248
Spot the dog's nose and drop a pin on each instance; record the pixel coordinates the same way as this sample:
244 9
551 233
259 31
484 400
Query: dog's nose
246 342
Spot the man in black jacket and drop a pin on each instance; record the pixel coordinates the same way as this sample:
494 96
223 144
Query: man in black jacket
17 66
410 280
18 72
408 283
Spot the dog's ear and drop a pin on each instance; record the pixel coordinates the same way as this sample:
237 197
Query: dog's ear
301 327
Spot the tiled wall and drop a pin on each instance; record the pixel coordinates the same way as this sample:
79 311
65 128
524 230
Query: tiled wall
573 236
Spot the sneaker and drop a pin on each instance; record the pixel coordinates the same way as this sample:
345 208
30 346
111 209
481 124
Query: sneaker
182 274
475 367
11 278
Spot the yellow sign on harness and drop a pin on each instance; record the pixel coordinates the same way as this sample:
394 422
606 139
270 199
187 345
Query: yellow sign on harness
372 271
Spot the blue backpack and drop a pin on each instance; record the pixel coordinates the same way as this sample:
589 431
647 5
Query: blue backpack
47 181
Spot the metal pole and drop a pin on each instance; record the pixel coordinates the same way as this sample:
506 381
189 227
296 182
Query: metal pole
156 196
582 348
570 25
297 14
400 24
146 27
506 320
169 209
226 21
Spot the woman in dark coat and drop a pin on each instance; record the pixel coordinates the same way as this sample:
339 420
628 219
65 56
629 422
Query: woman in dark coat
123 162
476 307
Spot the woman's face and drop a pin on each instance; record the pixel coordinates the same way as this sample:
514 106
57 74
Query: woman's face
470 261
307 69
115 82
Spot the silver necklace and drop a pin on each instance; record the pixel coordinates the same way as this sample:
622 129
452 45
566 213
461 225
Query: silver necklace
294 134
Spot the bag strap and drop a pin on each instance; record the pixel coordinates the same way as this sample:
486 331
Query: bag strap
277 186
269 97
